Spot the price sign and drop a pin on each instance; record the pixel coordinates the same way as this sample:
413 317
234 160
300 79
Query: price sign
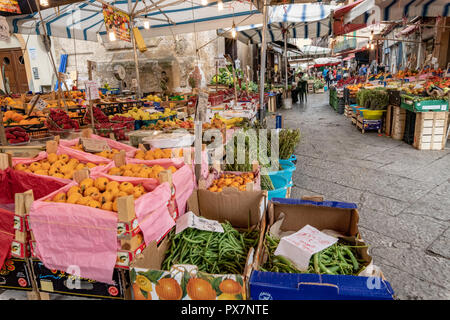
94 145
300 246
38 103
190 220
92 90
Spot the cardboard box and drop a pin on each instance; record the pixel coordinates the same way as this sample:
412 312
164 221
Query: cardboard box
14 274
55 281
229 205
338 216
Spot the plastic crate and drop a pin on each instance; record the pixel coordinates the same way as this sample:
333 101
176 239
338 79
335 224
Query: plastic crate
424 105
372 114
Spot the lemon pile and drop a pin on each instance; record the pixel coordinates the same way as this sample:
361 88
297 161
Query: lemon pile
139 171
154 98
61 166
100 193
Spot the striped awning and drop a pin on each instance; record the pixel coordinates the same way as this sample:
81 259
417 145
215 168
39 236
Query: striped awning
397 9
308 20
84 20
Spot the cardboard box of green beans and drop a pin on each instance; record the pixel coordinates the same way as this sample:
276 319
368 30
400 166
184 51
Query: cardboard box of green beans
198 264
347 256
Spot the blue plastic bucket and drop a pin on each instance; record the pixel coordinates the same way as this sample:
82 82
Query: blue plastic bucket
281 186
288 169
293 159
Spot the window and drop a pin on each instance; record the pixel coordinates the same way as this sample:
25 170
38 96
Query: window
6 61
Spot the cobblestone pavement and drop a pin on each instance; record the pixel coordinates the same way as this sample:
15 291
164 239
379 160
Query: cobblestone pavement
403 194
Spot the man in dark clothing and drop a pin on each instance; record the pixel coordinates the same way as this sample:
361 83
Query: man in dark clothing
302 86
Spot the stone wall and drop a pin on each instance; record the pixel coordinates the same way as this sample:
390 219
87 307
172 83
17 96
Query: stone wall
176 55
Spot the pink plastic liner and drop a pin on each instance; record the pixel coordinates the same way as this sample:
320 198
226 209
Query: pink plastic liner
74 235
111 143
81 156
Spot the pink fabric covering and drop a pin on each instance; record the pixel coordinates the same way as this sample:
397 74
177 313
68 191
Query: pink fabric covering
111 143
79 155
74 235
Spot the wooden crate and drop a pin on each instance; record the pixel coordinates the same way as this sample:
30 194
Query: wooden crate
354 118
348 111
388 121
430 130
398 123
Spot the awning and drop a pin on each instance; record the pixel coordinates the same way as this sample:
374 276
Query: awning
84 20
409 29
351 51
397 9
355 15
349 57
351 17
313 50
304 21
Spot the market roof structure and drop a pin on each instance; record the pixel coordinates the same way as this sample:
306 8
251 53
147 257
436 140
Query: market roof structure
305 20
84 20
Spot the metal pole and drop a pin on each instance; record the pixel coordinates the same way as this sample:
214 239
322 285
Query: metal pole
285 62
263 57
136 63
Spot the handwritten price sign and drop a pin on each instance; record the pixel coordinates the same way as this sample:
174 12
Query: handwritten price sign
300 246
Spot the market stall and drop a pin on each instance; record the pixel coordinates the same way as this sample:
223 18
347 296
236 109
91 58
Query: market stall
124 201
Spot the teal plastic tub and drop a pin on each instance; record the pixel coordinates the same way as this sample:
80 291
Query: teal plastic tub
288 169
281 186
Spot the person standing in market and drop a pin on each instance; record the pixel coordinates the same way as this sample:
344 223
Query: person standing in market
302 86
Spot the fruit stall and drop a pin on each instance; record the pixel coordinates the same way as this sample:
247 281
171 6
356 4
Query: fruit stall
411 106
161 231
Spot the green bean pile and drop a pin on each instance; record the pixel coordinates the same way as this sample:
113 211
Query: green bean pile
336 259
212 252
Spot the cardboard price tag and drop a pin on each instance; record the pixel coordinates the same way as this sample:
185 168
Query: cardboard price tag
300 246
190 220
39 104
92 90
94 145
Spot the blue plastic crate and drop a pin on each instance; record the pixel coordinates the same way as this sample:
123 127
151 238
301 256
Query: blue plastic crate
303 286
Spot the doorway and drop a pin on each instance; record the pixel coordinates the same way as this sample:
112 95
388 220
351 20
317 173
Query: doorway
12 65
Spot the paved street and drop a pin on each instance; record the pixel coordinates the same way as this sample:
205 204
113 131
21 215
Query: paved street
403 194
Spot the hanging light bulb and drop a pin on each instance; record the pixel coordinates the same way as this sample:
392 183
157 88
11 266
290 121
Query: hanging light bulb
146 24
204 2
233 31
220 5
371 36
112 36
43 3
